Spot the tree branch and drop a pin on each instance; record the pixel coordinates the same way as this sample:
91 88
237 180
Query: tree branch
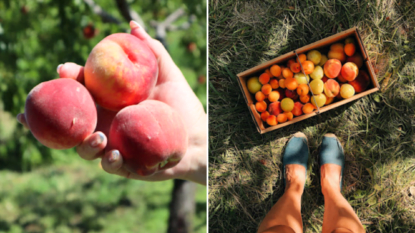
129 14
103 14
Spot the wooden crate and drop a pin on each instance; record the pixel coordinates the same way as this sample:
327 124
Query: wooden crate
319 45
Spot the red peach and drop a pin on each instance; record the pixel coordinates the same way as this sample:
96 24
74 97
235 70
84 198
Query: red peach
349 71
60 113
332 68
121 70
150 136
297 110
275 108
331 88
361 82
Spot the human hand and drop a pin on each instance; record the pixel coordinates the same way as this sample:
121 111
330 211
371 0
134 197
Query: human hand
172 89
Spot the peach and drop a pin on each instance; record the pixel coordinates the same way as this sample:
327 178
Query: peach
347 91
269 73
349 71
289 115
281 118
275 108
151 137
272 120
274 96
261 106
338 47
297 110
331 88
295 67
264 78
104 120
291 94
317 86
275 70
266 89
308 67
301 58
329 100
320 99
337 55
287 104
60 113
303 89
291 83
308 108
291 61
318 73
323 60
287 73
356 59
274 83
349 49
264 116
332 68
121 70
305 98
259 96
361 82
282 83
301 79
314 56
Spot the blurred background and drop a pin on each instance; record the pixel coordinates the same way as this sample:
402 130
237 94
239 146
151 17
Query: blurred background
45 190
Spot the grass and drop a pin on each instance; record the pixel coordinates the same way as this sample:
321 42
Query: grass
377 131
76 195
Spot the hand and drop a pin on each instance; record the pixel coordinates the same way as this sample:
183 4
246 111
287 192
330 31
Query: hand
172 89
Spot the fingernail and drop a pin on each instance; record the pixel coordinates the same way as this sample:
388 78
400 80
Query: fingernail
57 68
99 140
115 155
134 24
18 117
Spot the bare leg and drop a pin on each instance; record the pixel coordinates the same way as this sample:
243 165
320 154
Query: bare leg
339 216
285 215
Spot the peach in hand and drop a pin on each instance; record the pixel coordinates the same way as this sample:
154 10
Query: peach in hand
121 70
151 136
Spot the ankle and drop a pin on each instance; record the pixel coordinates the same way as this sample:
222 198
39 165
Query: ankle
294 178
330 179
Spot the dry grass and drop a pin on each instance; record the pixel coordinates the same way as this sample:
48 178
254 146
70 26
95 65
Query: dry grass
377 131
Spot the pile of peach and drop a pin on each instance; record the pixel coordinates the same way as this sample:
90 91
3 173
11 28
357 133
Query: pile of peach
282 92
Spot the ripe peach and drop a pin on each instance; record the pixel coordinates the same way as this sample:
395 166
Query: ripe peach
314 56
305 98
347 91
356 59
275 108
60 113
272 120
291 94
297 110
281 118
264 115
289 115
329 100
266 89
291 84
308 67
301 58
295 67
331 88
349 49
317 86
261 106
303 89
254 85
259 96
332 68
320 99
287 73
150 136
349 71
308 108
282 83
274 96
338 47
341 56
121 70
274 83
318 73
264 78
301 79
361 82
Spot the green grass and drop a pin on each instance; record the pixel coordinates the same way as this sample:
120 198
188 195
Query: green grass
377 131
76 195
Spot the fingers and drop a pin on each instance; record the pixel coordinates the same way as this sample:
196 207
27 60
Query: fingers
93 146
71 70
22 120
168 71
112 163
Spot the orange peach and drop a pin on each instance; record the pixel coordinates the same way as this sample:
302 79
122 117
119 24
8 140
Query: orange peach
291 61
329 100
275 108
337 55
275 70
356 59
303 89
308 108
295 67
272 120
291 83
289 115
264 78
301 58
349 49
332 68
269 73
282 83
305 98
338 47
274 83
282 118
349 71
297 110
261 106
259 96
287 73
331 88
361 82
266 89
264 115
274 96
308 67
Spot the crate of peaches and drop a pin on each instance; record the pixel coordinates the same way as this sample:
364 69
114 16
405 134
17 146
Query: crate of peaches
308 81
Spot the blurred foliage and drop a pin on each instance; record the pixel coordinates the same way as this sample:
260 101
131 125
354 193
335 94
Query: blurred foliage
58 191
37 36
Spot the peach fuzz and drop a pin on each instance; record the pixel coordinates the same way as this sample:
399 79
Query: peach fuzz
60 113
332 68
261 106
308 108
272 120
275 108
274 83
356 59
274 96
275 70
259 96
297 110
266 89
361 82
150 136
264 78
349 71
331 88
337 55
121 70
264 115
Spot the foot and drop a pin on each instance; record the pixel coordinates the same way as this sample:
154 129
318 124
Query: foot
331 164
295 160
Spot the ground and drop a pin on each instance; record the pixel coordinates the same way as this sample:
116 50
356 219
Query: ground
377 131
